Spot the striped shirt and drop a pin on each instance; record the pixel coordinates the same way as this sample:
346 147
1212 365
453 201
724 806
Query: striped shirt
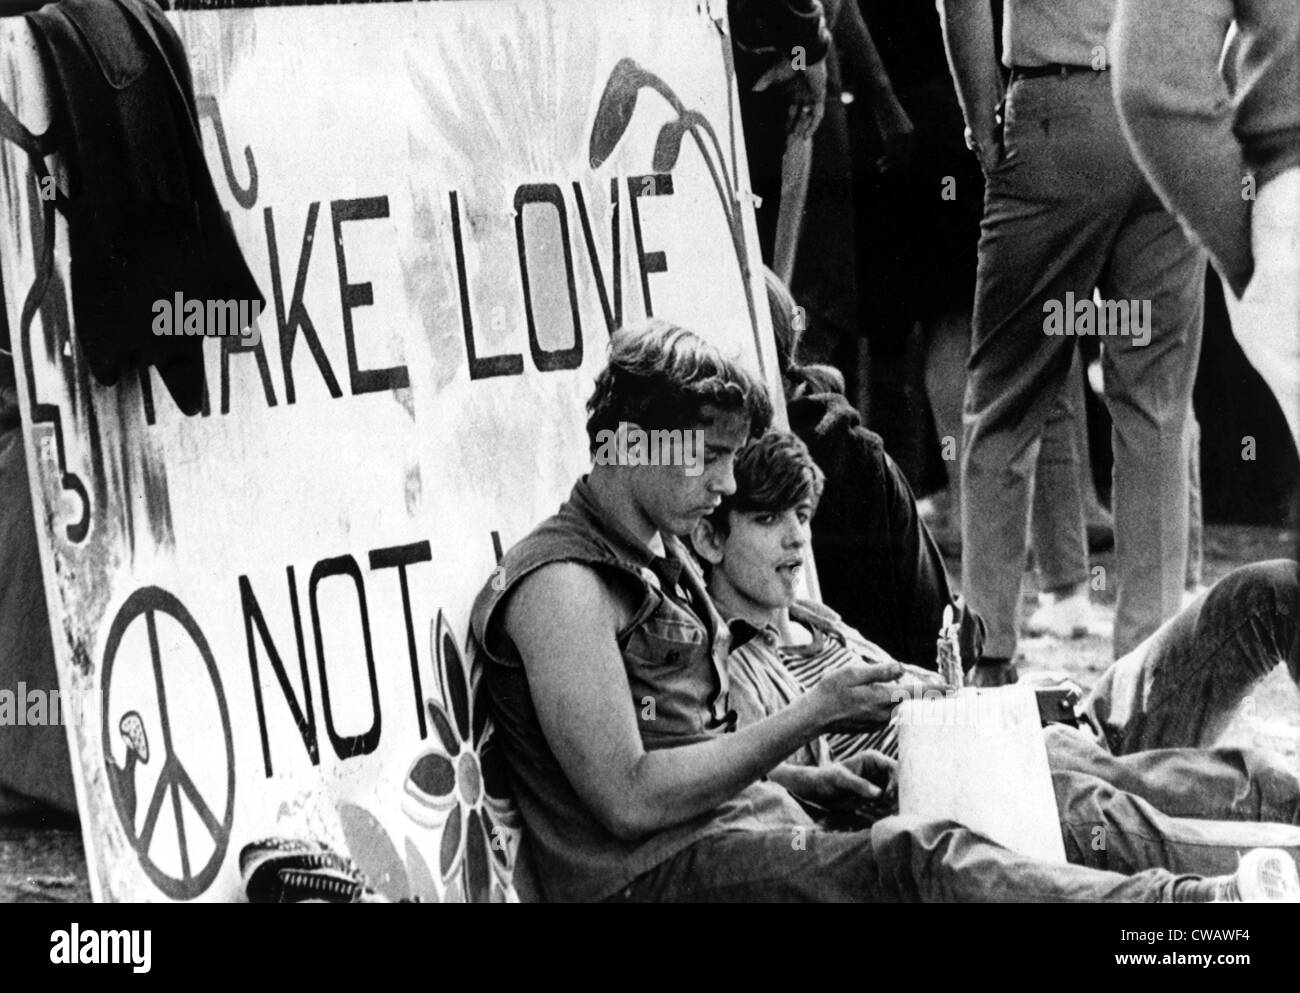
766 677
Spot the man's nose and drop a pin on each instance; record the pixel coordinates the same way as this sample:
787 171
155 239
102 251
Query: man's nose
796 535
723 480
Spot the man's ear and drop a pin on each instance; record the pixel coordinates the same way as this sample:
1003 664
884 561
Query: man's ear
707 542
616 446
631 441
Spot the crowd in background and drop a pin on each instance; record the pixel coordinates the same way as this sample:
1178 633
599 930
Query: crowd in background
931 175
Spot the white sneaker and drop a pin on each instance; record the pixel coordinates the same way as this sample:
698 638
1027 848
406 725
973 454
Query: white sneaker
1063 616
1265 875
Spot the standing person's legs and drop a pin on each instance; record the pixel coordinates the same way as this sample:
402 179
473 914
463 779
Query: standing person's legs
947 346
1100 526
1051 211
1149 394
1061 559
1057 518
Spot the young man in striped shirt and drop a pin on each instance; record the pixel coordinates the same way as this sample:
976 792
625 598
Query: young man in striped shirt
1149 777
753 546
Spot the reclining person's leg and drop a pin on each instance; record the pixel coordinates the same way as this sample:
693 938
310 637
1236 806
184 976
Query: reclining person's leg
900 860
1106 828
795 864
943 862
1179 688
1246 784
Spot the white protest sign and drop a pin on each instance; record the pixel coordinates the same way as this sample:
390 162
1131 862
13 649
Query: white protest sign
259 612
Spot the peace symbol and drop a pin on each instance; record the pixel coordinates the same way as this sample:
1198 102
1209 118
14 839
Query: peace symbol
173 781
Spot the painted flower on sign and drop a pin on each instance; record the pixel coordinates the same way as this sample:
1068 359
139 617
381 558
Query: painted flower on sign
458 784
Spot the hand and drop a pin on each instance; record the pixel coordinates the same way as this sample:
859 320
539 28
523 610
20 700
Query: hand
875 767
998 674
918 684
838 788
806 90
927 679
987 146
897 136
859 696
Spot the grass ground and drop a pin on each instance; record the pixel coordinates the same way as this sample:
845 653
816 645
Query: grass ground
42 859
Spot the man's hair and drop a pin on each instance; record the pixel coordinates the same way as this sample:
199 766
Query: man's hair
788 326
661 376
787 320
773 474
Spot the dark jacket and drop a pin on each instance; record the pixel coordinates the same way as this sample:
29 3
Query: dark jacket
144 221
877 564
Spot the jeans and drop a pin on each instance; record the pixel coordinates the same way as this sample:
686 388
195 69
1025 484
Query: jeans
1060 483
1152 790
899 860
1140 813
1068 211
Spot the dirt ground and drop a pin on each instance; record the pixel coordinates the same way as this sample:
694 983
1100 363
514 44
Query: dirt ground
42 859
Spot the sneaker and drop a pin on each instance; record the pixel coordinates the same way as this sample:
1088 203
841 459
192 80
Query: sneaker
1262 876
1063 616
1265 875
293 870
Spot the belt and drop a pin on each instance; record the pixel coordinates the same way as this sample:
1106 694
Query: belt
1051 69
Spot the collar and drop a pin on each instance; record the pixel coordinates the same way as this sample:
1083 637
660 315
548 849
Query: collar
818 619
742 631
816 616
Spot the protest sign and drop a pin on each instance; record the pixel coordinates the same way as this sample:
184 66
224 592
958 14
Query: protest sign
259 612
